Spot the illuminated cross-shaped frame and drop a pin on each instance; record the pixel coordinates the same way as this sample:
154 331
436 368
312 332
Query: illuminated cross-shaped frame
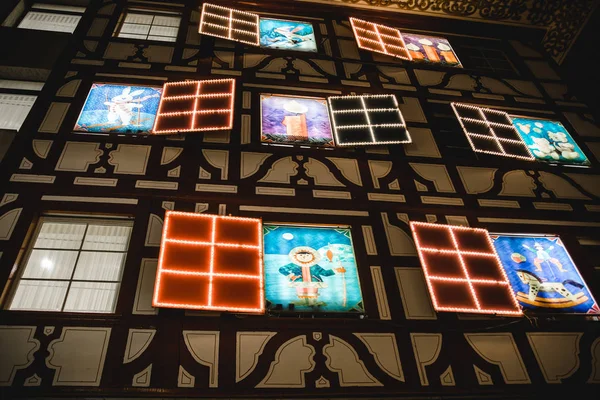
367 120
379 38
227 23
210 262
491 132
463 270
193 106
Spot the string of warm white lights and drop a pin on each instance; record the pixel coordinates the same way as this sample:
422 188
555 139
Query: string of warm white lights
392 45
361 110
420 228
206 301
231 16
489 125
336 114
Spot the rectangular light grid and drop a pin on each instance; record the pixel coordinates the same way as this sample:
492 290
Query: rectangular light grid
379 38
462 270
230 24
193 106
367 120
491 131
210 262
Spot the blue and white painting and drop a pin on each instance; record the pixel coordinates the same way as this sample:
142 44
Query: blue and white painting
119 108
287 35
549 141
311 269
543 276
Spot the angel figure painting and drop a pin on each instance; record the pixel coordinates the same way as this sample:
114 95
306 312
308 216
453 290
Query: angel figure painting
311 269
287 35
119 109
543 275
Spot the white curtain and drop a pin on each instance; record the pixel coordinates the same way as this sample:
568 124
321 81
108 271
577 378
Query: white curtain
45 21
14 109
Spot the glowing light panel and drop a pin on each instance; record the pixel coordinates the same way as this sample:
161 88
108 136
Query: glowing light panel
210 262
462 270
549 141
491 132
228 23
295 120
430 49
119 109
367 120
311 269
287 35
193 106
543 276
379 38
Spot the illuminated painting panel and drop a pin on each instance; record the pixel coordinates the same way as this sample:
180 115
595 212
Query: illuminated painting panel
462 270
287 35
295 120
430 49
210 262
543 275
193 106
549 141
379 38
228 23
119 109
367 120
311 269
491 131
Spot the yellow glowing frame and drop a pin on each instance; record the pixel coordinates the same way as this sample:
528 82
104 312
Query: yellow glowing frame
380 39
229 17
213 271
200 92
430 278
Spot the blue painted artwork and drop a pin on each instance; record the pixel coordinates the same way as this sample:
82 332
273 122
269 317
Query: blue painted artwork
295 120
287 35
311 269
119 109
543 276
549 141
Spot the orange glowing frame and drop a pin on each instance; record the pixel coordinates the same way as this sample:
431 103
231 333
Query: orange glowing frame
194 106
379 38
463 270
491 132
227 23
210 262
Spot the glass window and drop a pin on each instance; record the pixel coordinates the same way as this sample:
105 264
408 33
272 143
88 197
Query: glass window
149 25
74 265
16 100
485 59
54 17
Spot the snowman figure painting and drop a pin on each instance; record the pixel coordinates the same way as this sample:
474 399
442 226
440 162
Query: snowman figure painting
549 141
310 269
119 108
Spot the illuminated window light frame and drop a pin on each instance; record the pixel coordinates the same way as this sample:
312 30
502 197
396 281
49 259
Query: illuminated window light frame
490 127
366 111
198 95
414 225
161 269
233 16
379 39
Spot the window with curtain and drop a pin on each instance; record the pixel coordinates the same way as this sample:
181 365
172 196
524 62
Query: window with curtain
16 100
148 25
52 17
73 265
